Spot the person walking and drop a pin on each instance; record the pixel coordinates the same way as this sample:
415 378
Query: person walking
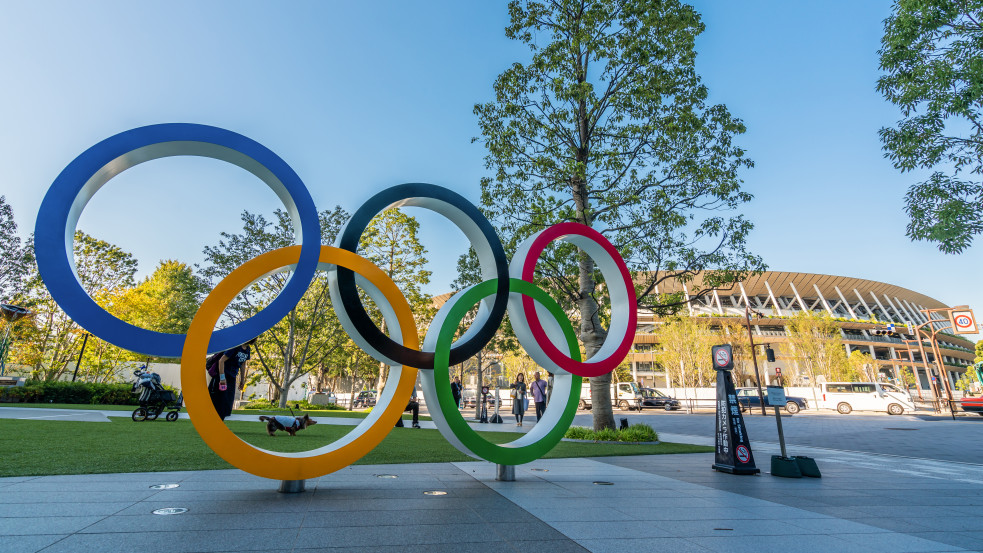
538 386
412 406
519 401
456 391
222 388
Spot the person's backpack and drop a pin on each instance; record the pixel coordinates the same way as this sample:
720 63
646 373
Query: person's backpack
212 363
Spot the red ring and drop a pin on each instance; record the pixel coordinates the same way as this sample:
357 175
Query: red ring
580 368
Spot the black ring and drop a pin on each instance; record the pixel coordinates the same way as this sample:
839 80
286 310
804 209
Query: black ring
405 194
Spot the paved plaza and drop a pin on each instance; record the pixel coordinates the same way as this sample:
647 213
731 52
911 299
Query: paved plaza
865 502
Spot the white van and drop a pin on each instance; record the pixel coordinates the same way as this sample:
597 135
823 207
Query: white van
625 395
865 396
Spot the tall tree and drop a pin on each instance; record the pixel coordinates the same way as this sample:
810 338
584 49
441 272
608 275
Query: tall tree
310 332
51 343
13 256
608 125
816 345
683 350
932 52
391 241
167 300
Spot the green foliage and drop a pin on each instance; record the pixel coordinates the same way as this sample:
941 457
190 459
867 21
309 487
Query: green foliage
72 392
932 52
608 125
303 405
13 256
51 341
634 433
306 339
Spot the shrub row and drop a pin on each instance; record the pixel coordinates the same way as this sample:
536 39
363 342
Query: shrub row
70 392
267 405
634 433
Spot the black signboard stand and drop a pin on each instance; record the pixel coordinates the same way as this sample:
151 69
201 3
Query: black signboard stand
733 451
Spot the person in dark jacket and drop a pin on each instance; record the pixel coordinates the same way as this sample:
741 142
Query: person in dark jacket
519 401
456 391
222 388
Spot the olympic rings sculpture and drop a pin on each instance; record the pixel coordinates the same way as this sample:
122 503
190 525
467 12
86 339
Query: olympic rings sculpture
540 324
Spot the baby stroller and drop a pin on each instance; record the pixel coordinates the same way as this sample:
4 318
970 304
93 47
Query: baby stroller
154 399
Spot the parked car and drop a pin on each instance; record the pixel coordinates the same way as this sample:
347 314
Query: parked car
468 398
365 399
655 399
624 395
846 397
748 399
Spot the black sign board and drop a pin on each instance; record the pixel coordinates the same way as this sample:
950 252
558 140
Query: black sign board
723 357
733 453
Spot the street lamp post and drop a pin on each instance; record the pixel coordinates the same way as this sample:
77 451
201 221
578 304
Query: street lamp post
754 356
933 341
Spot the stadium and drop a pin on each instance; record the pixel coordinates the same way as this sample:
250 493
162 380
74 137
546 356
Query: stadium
859 307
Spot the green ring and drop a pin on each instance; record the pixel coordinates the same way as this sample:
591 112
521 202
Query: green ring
501 454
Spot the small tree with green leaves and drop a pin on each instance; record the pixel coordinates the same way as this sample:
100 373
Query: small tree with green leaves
932 53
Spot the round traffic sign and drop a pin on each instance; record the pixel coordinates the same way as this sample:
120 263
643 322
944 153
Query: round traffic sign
722 357
963 322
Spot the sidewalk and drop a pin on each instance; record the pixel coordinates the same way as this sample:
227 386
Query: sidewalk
674 503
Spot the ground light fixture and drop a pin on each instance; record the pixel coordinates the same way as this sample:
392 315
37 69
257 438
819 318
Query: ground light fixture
164 486
170 511
435 492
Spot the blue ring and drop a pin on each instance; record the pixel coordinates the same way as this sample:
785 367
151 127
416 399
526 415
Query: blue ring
79 181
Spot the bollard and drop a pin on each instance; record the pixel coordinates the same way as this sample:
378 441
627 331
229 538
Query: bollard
291 486
505 473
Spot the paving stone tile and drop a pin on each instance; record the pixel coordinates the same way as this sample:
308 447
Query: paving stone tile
173 542
972 541
45 525
610 530
13 496
397 535
354 519
28 544
623 545
191 521
295 505
32 510
891 542
726 528
757 544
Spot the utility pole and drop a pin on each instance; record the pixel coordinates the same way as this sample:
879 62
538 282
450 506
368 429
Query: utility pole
754 356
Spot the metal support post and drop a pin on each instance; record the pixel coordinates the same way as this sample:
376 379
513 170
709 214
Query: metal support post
781 433
754 358
505 473
291 486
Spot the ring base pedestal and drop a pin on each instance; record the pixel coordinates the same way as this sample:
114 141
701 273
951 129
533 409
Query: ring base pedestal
505 473
291 486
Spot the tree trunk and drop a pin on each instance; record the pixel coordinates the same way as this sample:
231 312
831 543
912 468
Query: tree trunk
477 388
287 358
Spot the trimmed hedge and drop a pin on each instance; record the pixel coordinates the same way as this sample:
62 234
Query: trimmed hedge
71 392
267 405
634 433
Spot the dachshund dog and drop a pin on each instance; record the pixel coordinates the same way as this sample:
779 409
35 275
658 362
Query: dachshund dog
288 424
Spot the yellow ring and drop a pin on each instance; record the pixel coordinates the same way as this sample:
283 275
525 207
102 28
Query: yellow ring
308 464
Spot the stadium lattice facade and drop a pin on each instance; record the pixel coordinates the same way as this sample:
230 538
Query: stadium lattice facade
855 303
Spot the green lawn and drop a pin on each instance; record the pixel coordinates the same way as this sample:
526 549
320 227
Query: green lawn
257 412
32 448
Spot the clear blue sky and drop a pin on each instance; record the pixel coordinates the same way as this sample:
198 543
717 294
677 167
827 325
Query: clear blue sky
358 96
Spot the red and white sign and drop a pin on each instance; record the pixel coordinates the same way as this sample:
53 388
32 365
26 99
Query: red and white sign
722 359
743 455
963 322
